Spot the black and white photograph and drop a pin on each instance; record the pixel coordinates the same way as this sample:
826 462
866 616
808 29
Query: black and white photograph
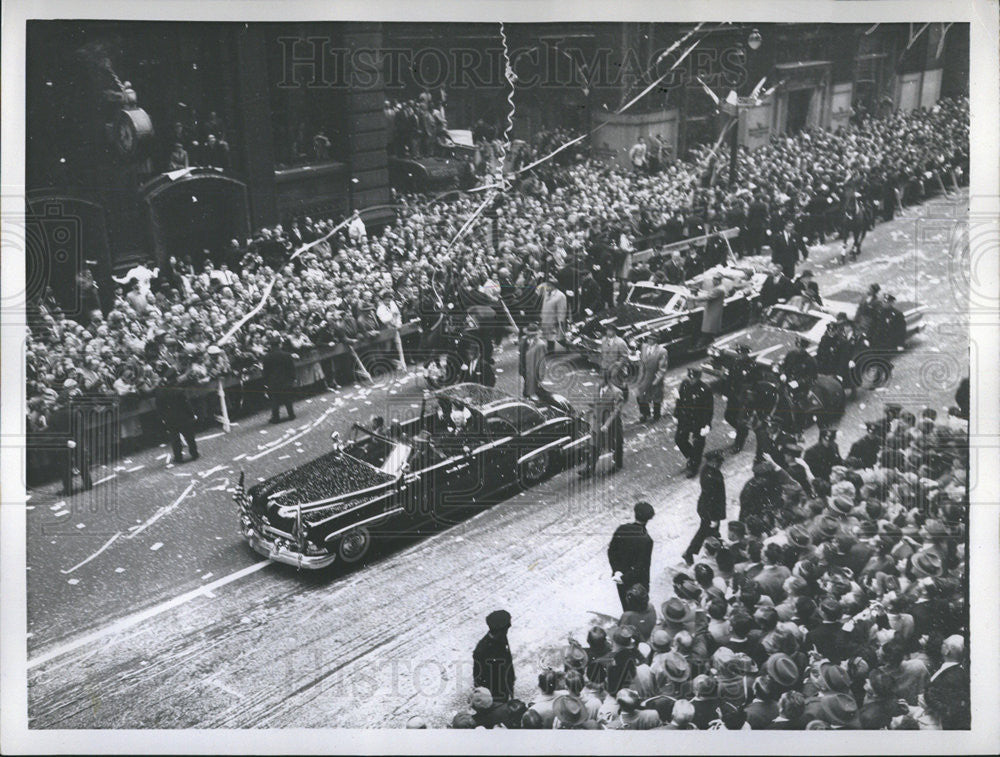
500 367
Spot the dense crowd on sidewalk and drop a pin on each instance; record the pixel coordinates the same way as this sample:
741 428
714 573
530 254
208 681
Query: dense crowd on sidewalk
345 288
836 605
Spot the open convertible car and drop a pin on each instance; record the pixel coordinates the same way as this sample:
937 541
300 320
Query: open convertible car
672 312
775 335
469 444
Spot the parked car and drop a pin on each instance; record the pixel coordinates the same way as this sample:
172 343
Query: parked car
469 445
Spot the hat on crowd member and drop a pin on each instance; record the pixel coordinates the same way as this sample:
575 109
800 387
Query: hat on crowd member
891 531
742 665
660 640
828 527
834 677
570 710
934 529
765 616
676 611
843 488
676 667
798 536
688 590
926 564
844 543
866 530
624 636
643 512
830 609
714 457
532 328
841 505
838 709
704 686
721 658
481 699
575 657
498 620
463 720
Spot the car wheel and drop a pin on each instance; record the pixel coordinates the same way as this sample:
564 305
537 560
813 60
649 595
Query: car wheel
534 470
354 545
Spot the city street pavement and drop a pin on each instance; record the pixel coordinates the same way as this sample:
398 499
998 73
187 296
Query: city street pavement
147 609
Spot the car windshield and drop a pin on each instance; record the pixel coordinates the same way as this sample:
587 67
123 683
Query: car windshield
398 455
651 297
791 320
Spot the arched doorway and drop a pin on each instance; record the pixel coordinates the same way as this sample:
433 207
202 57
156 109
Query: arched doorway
198 210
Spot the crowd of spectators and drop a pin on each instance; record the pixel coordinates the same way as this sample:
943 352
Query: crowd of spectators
418 127
198 143
555 216
836 605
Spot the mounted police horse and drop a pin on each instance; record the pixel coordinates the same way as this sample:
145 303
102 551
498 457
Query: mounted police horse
855 222
771 399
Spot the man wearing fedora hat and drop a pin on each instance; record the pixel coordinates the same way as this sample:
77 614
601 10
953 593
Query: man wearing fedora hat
829 638
822 456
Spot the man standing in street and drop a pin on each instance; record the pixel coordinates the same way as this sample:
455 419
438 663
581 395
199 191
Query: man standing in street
786 247
711 504
824 455
614 359
279 379
630 552
554 314
492 663
694 410
652 372
757 215
532 360
175 411
737 389
714 299
606 427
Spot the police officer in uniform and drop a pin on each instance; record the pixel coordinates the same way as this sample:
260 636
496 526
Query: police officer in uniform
830 349
694 410
738 383
891 331
799 367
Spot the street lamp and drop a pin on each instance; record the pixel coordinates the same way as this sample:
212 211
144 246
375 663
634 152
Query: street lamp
753 43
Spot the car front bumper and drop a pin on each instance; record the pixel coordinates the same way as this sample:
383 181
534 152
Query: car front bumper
278 553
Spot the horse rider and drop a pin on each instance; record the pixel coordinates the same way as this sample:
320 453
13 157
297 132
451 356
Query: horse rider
738 384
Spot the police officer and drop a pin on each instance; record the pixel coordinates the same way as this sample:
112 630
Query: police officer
799 367
867 448
606 427
824 455
694 410
891 331
738 384
830 349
